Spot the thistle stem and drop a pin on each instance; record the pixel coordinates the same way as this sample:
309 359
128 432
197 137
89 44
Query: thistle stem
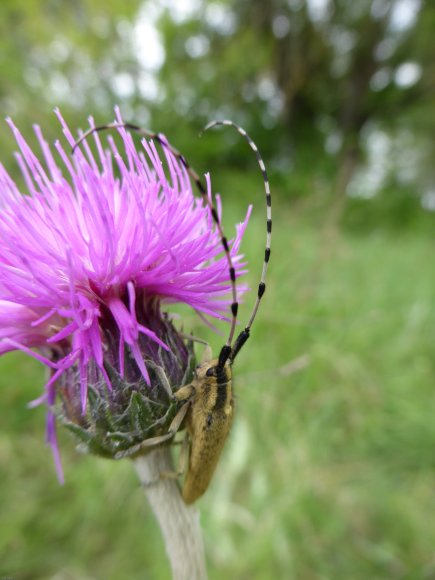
178 522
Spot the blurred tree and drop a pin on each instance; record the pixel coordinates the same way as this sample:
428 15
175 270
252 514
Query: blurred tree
69 54
312 80
318 75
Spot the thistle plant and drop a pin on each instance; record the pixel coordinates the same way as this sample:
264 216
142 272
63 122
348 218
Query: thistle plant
92 254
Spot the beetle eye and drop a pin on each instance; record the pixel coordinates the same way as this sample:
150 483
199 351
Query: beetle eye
211 372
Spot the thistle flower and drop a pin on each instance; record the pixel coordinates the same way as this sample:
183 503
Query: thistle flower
89 257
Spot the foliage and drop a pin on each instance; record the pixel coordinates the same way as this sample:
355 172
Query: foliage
315 75
61 54
308 79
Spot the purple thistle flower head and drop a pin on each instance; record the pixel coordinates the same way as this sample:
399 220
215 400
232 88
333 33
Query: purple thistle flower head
89 256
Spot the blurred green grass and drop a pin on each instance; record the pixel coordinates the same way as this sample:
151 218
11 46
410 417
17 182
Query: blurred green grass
330 468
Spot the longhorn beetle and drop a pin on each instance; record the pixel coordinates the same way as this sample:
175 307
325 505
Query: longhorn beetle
208 400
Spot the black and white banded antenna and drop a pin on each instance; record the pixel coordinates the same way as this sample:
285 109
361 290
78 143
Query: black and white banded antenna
245 333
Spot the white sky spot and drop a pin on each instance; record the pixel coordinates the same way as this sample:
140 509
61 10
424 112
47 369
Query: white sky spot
280 26
368 181
60 89
404 14
275 106
266 89
428 200
148 86
221 18
385 49
59 50
342 40
124 29
197 46
407 156
123 85
318 9
380 79
333 142
407 74
181 10
147 41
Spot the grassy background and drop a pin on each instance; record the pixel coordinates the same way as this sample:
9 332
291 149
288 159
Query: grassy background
329 470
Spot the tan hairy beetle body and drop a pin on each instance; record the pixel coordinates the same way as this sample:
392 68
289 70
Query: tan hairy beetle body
208 422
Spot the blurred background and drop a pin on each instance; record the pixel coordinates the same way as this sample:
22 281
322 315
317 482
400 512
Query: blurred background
330 468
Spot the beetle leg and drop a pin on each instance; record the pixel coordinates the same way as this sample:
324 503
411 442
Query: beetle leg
185 393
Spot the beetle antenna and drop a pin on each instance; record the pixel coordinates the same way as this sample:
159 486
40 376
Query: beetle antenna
244 334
